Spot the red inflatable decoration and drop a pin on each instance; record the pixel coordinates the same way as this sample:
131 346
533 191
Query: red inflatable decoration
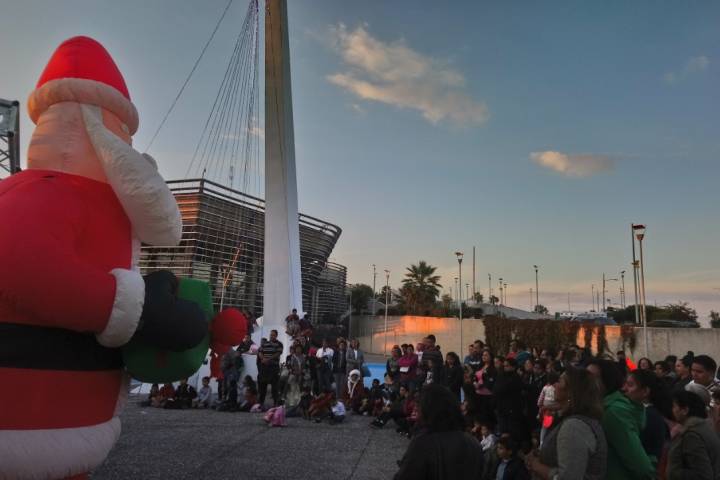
70 289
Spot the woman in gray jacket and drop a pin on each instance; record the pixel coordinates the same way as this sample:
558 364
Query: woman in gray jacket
695 451
575 449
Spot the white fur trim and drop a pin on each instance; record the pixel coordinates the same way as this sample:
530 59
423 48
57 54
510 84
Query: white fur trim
144 195
55 453
127 308
85 91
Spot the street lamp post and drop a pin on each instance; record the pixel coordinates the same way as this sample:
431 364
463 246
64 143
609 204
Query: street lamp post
387 300
459 256
640 229
605 280
635 266
622 292
490 289
374 295
593 296
501 290
537 288
531 299
506 292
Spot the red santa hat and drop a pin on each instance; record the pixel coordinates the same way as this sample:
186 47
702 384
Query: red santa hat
82 71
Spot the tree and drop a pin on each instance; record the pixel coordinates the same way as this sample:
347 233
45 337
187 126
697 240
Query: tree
494 300
627 314
361 294
675 311
385 295
541 309
420 289
714 319
478 297
446 301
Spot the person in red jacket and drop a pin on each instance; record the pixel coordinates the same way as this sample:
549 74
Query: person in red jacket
70 289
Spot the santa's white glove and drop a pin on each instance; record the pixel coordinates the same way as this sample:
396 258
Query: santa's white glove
134 178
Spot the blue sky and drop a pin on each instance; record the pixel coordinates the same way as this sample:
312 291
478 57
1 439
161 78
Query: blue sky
535 131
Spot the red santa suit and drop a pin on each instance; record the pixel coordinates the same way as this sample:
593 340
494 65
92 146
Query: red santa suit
70 290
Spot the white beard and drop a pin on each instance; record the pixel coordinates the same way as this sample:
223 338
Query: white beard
142 192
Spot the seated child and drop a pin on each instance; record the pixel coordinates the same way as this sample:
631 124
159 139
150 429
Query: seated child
510 466
250 394
337 411
320 406
165 395
204 397
154 392
184 395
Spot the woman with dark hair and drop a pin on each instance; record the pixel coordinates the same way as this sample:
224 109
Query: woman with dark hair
444 451
484 383
408 367
576 448
682 372
622 422
645 364
643 387
695 452
453 373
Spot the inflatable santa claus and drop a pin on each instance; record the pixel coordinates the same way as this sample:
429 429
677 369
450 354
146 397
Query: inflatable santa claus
71 294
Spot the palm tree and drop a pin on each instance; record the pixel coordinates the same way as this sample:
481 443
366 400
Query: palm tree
420 287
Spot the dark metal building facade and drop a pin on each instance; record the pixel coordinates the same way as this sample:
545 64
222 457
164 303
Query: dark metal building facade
223 244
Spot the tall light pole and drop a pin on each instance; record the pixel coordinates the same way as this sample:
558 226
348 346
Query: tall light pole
635 266
387 300
506 292
490 289
640 235
501 290
531 299
473 282
374 294
537 287
467 291
569 309
593 296
622 292
459 256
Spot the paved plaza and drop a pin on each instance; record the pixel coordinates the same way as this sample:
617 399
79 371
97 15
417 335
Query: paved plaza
195 444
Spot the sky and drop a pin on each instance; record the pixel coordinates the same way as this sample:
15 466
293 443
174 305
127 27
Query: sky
536 132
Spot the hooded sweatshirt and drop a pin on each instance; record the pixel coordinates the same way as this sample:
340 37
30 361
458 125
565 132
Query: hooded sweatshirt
623 421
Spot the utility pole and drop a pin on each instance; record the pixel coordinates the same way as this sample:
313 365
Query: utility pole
593 297
490 288
604 309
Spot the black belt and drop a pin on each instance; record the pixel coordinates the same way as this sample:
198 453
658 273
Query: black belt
33 347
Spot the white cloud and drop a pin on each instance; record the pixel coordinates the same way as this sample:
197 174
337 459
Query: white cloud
694 65
395 74
573 165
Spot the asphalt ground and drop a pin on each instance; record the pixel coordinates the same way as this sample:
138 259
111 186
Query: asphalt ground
205 444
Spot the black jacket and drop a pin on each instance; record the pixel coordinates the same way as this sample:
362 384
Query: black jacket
452 455
508 393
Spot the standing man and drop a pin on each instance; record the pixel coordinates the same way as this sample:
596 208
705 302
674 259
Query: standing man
703 374
325 366
355 357
269 371
340 368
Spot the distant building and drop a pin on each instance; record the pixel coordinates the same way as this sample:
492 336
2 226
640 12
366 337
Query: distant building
223 244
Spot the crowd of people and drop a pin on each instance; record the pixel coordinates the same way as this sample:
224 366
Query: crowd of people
513 413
